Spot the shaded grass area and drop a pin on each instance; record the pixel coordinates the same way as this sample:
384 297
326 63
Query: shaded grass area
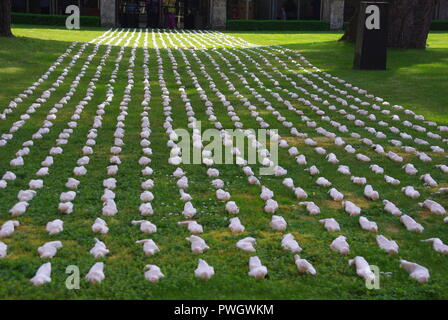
414 78
124 265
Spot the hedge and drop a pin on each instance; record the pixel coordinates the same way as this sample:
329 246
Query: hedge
439 25
51 19
300 25
277 25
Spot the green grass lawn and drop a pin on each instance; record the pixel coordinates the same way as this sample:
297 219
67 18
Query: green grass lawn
415 79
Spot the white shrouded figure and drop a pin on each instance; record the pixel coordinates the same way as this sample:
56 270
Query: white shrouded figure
368 225
189 210
391 208
49 249
235 225
198 244
145 226
153 273
351 208
8 228
204 270
100 226
99 249
311 207
55 226
278 223
387 245
43 275
304 266
96 273
411 224
193 226
330 224
149 247
340 245
416 271
247 244
290 243
362 268
433 206
3 249
438 245
256 269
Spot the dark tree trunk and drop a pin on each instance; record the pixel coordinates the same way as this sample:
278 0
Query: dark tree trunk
5 18
409 23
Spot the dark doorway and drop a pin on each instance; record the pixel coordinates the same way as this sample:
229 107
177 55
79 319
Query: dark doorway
170 14
310 9
153 13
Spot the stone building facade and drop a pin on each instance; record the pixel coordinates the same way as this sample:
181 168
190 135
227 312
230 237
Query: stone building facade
207 14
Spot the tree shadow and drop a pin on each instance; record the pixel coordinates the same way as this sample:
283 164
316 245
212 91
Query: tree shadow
37 27
414 78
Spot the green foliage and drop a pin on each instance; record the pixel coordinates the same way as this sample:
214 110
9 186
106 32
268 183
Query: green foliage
439 25
51 19
277 25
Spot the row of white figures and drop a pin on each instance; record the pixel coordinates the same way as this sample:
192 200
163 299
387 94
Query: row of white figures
198 245
149 246
369 192
271 205
87 151
100 250
66 205
145 133
46 127
391 180
43 274
256 269
49 249
221 195
323 180
41 100
13 104
109 204
315 70
369 225
374 167
51 116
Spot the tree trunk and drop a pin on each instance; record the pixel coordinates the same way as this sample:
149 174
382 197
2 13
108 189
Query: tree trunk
5 18
409 23
352 25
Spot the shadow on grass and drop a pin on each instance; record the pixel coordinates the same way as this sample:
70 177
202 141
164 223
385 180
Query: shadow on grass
414 78
37 27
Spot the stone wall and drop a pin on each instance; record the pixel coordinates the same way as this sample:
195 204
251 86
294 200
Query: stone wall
442 10
333 12
108 13
218 14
